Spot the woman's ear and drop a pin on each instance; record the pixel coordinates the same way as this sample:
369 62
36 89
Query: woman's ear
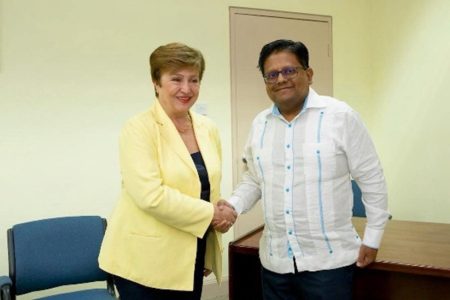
157 87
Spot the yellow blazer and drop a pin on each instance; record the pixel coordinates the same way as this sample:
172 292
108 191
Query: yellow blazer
151 237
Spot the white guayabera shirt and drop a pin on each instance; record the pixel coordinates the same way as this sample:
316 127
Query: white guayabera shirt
301 170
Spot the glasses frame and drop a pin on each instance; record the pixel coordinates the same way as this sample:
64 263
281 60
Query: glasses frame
283 74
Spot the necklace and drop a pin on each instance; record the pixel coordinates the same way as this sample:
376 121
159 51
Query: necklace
184 128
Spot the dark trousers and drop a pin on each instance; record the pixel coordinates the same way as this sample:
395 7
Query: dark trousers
130 290
335 284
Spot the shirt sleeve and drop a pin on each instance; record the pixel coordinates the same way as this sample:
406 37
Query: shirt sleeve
248 191
366 170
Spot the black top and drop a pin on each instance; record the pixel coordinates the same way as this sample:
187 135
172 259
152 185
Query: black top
202 175
201 242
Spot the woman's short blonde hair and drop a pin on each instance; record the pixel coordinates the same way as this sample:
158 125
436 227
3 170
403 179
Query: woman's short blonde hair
175 56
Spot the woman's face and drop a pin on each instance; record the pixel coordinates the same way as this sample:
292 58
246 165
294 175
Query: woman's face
178 90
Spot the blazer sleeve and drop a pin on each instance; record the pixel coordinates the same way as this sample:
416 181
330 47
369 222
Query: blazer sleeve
142 180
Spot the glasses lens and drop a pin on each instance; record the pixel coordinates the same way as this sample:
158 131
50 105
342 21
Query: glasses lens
272 76
288 72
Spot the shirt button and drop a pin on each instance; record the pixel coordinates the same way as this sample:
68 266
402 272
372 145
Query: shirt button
288 167
288 146
290 125
287 211
290 232
287 190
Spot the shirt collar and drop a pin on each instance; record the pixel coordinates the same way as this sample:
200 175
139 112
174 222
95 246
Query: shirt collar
313 100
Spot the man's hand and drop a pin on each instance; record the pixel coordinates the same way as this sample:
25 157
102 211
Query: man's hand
222 202
224 216
366 256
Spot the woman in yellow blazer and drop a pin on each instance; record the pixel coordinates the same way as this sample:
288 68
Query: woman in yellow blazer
159 242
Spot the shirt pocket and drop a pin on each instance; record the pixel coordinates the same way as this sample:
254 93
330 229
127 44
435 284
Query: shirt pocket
319 161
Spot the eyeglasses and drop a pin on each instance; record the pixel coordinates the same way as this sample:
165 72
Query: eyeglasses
287 73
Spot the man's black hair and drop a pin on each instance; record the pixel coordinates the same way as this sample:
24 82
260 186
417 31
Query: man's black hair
296 48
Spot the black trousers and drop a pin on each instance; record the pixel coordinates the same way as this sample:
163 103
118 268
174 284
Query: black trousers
130 290
335 284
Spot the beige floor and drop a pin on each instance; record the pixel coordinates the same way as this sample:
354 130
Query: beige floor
225 297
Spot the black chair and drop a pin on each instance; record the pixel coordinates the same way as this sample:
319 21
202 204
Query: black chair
55 252
358 205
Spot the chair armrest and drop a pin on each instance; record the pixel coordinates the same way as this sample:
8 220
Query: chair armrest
5 288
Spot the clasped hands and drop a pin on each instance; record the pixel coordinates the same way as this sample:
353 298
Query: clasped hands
224 216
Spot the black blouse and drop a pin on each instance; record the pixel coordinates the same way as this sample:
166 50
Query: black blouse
202 174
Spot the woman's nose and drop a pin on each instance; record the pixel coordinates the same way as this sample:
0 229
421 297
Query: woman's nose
185 87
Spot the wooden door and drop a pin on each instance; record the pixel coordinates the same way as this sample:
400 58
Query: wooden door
250 29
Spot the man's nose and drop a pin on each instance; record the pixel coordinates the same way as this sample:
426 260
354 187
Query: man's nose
280 75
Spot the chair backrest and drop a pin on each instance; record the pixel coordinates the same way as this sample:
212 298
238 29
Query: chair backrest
53 252
358 205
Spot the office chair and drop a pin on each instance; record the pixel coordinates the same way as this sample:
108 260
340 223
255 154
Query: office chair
358 205
5 284
53 252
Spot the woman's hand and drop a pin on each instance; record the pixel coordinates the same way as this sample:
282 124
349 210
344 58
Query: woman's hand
224 216
206 272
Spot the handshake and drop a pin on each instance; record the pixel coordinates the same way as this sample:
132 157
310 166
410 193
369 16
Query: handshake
224 216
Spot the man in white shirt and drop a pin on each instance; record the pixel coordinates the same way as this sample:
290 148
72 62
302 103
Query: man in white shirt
301 155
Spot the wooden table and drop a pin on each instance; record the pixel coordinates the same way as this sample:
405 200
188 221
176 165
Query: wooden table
412 263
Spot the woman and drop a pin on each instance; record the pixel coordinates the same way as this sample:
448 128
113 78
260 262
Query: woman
159 242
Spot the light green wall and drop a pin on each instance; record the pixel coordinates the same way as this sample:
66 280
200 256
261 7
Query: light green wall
409 109
71 72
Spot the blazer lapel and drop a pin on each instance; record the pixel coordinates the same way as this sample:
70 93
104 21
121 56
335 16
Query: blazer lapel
170 134
203 139
202 133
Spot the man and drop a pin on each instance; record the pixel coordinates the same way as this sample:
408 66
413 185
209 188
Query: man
301 155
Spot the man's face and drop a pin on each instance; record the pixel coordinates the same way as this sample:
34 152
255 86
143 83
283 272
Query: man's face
287 93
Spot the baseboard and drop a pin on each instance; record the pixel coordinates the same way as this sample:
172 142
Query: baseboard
212 290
